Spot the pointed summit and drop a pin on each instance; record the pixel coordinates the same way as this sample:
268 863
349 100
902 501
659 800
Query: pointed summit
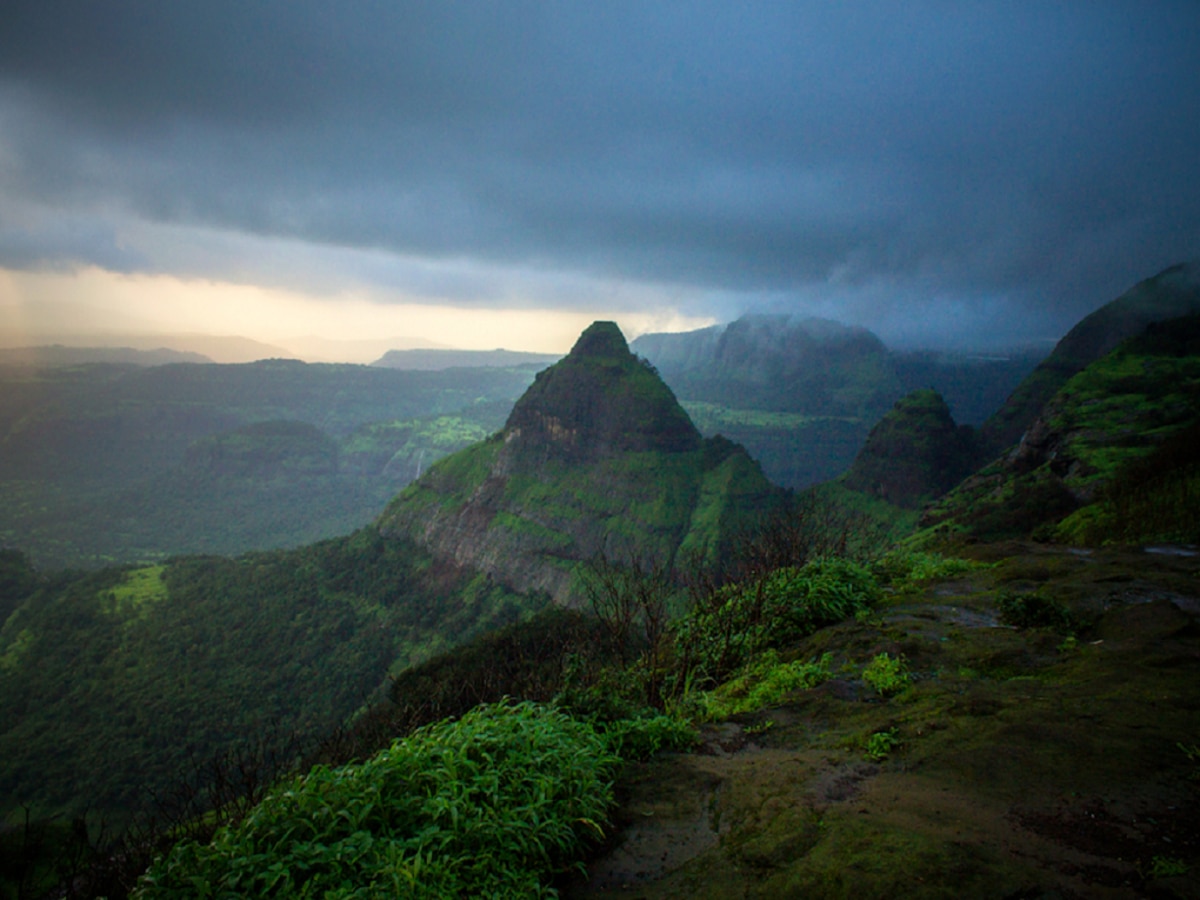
597 456
597 401
601 339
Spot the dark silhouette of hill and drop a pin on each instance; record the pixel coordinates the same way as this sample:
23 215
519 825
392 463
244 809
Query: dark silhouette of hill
914 453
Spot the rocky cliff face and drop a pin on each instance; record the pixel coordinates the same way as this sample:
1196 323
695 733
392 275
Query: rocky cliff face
597 456
914 453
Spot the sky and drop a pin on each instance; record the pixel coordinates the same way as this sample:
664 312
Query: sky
499 174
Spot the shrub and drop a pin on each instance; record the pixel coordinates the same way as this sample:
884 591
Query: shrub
904 571
641 737
1034 611
887 674
485 805
782 607
881 744
1167 867
764 683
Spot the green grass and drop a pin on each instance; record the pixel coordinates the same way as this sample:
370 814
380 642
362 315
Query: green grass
762 684
487 805
907 572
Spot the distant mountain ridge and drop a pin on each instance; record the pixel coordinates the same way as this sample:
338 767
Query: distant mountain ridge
58 355
801 394
433 359
777 363
214 347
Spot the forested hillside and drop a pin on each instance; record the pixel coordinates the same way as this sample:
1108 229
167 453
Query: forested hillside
118 685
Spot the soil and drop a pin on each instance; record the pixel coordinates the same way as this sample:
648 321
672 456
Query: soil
1030 764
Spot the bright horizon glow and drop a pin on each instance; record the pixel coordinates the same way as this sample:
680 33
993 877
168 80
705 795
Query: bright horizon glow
71 307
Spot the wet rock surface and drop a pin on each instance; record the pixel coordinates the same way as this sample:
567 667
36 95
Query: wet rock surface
1030 764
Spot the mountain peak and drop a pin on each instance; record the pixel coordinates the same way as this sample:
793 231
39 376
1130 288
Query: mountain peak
597 456
914 453
598 400
601 339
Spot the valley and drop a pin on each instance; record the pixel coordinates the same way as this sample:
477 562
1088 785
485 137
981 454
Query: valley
108 462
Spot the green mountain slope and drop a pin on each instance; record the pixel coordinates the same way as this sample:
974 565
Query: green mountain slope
1172 293
596 457
1135 406
117 685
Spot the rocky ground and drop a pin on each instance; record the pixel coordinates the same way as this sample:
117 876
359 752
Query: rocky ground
1028 762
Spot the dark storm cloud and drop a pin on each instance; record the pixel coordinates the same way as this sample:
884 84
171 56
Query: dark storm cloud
991 156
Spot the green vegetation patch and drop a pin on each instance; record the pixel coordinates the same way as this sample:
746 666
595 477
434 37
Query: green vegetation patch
710 417
1034 611
906 572
140 588
488 805
640 737
764 683
784 606
880 744
17 650
887 674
